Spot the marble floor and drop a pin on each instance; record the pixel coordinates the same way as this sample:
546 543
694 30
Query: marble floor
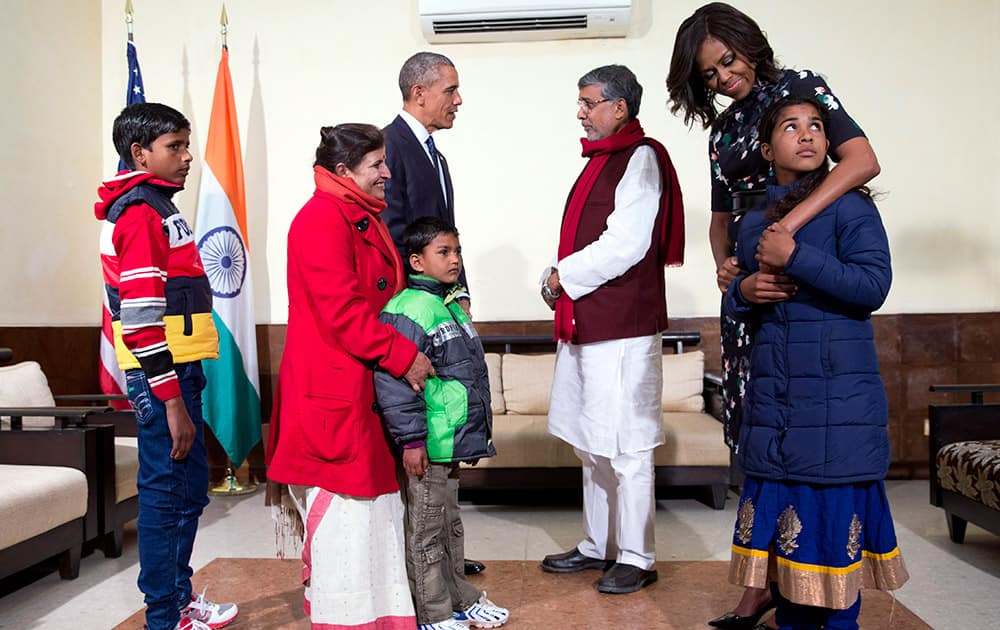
951 586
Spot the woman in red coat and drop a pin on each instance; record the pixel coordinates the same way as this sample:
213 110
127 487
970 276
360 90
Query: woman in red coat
326 440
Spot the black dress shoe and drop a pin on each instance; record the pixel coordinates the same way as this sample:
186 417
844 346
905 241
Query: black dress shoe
625 578
732 621
572 561
473 568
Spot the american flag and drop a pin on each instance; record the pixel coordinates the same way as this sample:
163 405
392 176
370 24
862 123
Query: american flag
111 377
135 93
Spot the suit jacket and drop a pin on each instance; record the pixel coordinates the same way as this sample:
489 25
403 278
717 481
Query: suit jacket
414 190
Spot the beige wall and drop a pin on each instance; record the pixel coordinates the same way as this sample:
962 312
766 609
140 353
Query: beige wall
919 76
50 159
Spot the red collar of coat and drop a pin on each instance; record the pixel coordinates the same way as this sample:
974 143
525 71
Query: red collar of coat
345 189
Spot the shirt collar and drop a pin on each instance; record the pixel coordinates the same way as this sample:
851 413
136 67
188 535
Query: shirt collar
415 126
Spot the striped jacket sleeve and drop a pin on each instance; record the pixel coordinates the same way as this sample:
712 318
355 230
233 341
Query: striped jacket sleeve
143 251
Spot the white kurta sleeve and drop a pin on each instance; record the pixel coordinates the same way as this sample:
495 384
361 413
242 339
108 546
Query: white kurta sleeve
629 233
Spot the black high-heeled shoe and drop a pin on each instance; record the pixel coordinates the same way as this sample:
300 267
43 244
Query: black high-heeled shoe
732 621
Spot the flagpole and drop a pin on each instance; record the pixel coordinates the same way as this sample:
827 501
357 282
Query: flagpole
230 485
128 18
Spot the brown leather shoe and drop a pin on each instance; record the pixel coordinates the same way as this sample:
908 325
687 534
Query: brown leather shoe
625 578
572 561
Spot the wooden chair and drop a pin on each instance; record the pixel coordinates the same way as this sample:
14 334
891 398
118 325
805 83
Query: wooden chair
26 399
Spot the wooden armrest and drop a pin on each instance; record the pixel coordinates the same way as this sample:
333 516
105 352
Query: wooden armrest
90 397
545 343
975 390
712 392
74 415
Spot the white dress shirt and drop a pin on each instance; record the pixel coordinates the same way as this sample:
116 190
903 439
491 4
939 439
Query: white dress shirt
422 134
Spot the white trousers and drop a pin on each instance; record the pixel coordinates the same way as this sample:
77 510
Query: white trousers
619 508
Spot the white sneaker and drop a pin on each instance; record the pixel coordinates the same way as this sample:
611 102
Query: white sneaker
447 624
483 614
213 616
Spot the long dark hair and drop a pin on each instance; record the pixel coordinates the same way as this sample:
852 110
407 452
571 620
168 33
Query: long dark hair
809 182
735 29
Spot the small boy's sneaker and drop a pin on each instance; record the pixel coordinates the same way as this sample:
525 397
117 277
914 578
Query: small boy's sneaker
190 624
208 613
447 624
483 614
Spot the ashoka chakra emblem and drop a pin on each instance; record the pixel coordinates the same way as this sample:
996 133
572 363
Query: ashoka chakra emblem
225 261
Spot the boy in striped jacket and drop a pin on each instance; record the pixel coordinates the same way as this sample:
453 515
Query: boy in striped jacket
161 307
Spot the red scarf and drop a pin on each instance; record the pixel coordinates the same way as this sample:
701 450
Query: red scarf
671 240
346 190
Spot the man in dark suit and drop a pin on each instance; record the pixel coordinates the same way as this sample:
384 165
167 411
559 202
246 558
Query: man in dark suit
420 185
421 182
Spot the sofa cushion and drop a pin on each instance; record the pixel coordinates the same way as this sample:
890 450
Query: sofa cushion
683 376
497 403
527 383
691 439
35 499
972 469
24 385
523 441
126 467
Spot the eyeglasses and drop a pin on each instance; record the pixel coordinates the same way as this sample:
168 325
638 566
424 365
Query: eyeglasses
588 104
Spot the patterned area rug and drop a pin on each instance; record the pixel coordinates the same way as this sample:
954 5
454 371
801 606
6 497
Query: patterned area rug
688 593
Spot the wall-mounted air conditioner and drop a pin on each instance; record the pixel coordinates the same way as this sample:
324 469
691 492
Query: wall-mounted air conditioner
448 21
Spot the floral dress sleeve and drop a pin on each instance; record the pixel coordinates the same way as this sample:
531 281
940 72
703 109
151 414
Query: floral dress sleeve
810 84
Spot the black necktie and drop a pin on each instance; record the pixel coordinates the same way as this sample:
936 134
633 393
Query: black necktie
433 151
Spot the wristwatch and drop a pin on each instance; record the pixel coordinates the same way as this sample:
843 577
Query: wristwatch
548 293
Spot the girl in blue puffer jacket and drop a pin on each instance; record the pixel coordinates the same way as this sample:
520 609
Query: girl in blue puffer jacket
814 519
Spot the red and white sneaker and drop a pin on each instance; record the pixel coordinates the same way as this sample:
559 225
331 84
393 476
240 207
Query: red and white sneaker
190 624
208 613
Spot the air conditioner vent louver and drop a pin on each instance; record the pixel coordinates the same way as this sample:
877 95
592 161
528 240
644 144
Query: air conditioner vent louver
458 21
503 25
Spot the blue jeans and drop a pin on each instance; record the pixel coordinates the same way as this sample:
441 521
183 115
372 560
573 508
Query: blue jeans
172 495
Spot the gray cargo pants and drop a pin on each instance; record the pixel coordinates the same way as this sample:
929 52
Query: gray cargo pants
435 545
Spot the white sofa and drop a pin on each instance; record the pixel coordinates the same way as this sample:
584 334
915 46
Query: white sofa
694 453
43 511
114 461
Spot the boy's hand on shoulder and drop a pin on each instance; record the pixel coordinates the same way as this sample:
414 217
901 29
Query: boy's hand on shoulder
765 288
419 372
775 247
182 430
415 461
466 305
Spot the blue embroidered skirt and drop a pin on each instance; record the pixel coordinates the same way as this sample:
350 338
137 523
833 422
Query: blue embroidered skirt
821 544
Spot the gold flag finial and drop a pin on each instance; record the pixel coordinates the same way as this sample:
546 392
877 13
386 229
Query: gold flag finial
224 21
128 17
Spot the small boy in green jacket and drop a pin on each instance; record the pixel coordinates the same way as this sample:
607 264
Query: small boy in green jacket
450 422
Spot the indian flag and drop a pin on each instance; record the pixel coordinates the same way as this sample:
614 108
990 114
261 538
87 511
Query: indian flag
232 396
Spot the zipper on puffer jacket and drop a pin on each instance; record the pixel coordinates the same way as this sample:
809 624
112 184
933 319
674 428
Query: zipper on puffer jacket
482 403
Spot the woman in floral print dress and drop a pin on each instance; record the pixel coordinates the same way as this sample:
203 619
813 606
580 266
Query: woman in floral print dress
719 50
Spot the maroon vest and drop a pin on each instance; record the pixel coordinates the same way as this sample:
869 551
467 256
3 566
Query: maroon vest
634 304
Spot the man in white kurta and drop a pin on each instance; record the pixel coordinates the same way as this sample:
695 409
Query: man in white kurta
606 395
